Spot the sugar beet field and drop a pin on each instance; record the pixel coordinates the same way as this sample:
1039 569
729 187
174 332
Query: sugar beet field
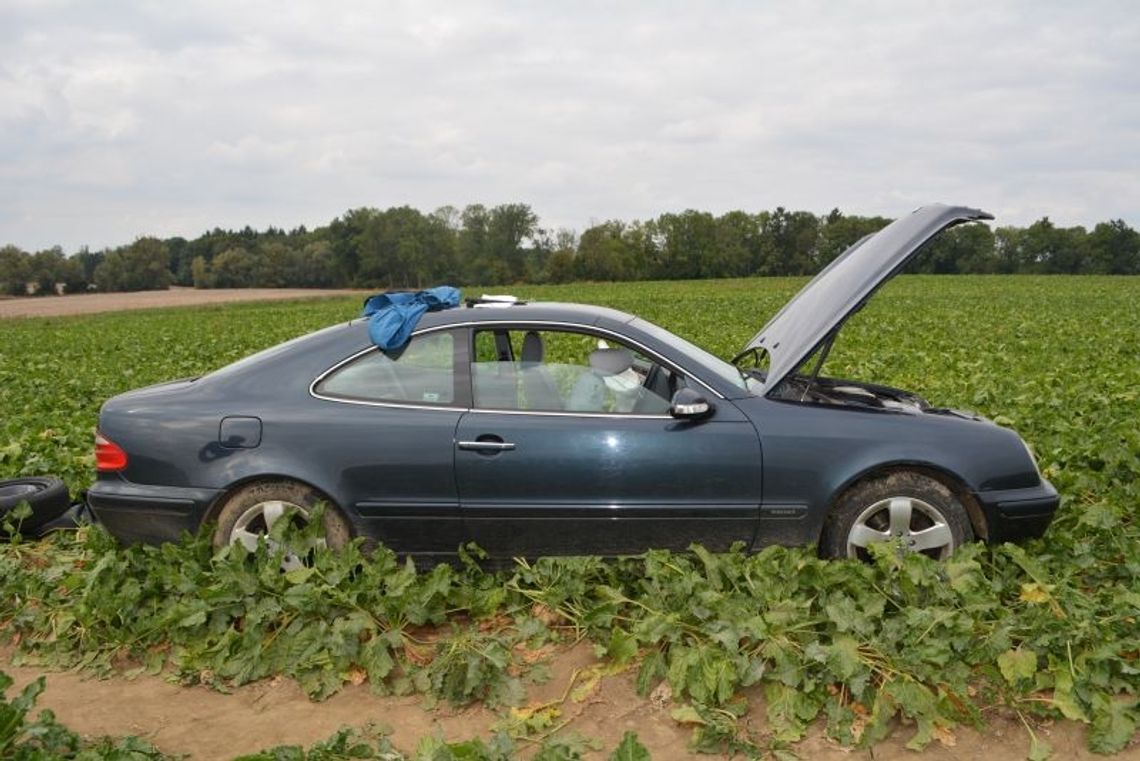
741 655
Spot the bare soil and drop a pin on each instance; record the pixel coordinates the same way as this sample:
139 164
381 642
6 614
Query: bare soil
90 303
211 725
206 724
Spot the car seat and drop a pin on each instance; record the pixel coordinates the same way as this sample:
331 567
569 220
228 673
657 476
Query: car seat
589 391
540 390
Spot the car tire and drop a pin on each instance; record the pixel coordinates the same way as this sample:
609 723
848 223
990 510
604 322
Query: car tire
917 509
248 513
47 496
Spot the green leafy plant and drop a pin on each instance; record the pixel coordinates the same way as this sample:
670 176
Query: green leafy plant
1046 630
345 744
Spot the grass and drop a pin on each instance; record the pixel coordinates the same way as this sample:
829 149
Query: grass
1048 629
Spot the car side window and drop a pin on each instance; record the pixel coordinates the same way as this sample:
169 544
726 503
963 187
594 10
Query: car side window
423 372
567 371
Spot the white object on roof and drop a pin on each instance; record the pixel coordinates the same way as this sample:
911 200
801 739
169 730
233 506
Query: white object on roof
502 300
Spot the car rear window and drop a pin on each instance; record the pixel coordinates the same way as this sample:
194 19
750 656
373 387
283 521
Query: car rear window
423 372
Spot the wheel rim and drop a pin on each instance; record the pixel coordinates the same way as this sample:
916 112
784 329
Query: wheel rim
253 526
919 526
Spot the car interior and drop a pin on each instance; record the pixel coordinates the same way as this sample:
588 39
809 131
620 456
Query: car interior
565 371
524 370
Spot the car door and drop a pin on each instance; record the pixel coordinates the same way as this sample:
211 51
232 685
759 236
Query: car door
588 460
388 430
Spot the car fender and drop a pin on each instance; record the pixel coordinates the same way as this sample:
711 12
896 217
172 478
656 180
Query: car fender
257 476
814 453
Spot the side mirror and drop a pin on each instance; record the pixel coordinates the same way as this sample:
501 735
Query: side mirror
689 405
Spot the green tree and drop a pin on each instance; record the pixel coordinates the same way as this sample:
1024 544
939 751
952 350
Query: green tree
47 269
838 232
142 266
1008 254
788 242
508 227
72 275
558 266
403 247
200 273
603 253
234 268
686 243
90 261
276 265
181 260
1049 249
974 248
964 248
393 248
641 249
490 243
473 248
15 270
316 266
345 236
1114 249
737 245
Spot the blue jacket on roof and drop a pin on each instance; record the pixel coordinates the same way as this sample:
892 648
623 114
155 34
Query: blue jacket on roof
393 316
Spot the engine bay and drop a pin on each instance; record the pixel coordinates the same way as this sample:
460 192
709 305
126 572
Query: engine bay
835 391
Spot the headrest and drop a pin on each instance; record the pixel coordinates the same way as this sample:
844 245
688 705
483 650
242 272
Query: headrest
611 361
532 348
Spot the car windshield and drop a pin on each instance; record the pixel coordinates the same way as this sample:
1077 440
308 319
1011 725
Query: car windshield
727 372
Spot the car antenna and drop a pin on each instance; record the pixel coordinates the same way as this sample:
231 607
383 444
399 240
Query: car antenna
823 352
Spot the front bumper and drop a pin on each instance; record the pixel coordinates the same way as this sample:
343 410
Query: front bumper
1015 514
147 513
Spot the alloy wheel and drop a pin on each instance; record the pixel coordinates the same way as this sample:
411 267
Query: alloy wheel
253 526
915 523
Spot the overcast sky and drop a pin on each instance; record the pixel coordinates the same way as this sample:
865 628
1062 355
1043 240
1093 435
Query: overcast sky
119 119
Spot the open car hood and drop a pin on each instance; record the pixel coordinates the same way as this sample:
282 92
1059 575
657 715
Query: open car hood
844 286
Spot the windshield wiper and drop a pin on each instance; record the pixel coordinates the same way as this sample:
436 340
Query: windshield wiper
753 373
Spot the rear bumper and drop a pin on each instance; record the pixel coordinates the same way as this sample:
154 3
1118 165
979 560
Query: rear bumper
1015 514
146 513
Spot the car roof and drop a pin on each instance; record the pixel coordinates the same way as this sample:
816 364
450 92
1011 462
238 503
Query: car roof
537 311
297 358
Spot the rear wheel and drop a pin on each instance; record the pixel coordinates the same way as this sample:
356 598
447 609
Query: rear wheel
248 515
920 512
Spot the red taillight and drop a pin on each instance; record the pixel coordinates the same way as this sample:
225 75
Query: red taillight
109 456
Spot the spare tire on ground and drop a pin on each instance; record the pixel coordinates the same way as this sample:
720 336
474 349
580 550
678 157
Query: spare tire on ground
47 496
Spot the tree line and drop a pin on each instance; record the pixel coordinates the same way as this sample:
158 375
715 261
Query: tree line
402 247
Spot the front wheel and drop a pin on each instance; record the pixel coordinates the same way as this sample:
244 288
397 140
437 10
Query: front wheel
918 511
247 516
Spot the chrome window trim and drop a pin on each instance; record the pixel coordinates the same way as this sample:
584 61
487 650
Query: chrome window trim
556 413
398 405
491 410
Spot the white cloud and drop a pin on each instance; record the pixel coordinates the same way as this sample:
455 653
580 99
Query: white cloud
125 118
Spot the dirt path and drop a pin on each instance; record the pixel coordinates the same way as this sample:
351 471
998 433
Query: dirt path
90 303
211 725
